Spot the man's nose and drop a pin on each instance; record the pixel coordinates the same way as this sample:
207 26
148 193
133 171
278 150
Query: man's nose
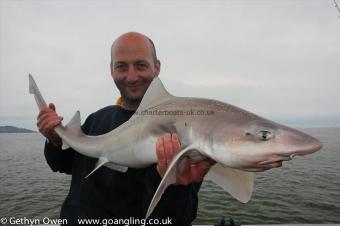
132 74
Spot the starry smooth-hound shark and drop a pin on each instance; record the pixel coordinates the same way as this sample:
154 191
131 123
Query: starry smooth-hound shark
239 141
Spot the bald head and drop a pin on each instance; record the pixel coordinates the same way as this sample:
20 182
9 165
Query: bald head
134 65
131 40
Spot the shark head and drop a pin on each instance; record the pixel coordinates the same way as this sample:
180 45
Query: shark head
258 144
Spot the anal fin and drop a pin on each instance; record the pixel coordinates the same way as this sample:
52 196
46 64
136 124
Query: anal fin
116 167
102 161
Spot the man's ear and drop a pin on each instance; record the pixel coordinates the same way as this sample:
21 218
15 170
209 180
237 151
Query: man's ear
111 68
158 67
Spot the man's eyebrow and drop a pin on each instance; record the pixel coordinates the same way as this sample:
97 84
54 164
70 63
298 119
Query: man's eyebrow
119 62
141 61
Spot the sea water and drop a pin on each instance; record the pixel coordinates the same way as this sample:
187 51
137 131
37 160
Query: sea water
305 190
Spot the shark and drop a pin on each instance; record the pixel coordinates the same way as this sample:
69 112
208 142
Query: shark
240 142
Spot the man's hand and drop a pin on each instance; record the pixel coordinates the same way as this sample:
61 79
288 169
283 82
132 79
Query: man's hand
166 148
46 121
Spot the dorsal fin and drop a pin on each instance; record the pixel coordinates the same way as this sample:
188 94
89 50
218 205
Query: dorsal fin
155 94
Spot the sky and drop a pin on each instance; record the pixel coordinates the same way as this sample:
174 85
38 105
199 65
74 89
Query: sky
279 59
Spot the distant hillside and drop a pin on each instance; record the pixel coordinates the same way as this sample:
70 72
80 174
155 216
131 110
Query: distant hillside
12 129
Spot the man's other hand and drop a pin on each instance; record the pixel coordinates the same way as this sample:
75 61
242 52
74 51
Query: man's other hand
167 147
46 121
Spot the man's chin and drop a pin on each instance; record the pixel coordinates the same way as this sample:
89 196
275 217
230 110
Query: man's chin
133 98
132 95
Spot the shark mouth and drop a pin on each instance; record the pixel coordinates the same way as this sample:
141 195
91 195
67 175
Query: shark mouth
278 159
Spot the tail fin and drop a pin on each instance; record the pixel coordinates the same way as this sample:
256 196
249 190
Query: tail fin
33 89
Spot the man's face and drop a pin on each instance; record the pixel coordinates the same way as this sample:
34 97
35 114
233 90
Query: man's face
133 67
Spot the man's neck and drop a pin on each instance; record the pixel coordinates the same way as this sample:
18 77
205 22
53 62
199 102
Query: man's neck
130 105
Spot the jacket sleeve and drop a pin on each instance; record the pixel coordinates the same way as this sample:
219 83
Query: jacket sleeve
58 159
178 202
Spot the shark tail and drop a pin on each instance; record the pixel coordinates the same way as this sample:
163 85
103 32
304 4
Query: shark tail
72 129
33 89
73 126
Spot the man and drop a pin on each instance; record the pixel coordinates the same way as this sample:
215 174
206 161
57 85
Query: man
109 194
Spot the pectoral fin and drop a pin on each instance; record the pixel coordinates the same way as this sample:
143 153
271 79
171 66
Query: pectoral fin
238 183
104 161
169 178
101 161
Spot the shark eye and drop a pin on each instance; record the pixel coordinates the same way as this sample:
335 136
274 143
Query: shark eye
264 135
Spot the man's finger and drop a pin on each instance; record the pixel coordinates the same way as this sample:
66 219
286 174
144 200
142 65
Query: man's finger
50 108
175 143
47 128
160 151
51 105
44 119
44 111
46 116
168 149
185 177
48 124
200 169
206 163
161 158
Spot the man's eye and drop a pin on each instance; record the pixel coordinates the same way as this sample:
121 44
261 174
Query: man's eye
119 67
142 65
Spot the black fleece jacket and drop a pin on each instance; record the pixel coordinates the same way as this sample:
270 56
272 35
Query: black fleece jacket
109 194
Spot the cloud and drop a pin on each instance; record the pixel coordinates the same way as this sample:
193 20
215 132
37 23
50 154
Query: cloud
211 81
275 58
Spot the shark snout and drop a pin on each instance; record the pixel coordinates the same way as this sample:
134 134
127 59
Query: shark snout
298 144
309 148
306 151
